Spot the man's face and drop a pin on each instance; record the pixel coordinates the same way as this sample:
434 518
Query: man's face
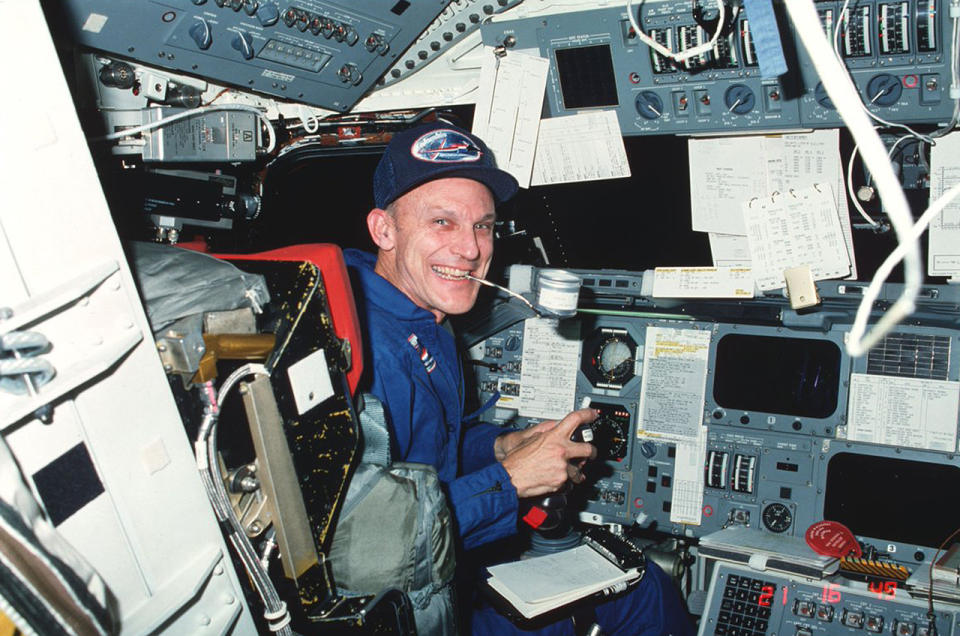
432 238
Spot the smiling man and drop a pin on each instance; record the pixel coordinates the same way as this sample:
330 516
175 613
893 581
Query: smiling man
432 239
435 192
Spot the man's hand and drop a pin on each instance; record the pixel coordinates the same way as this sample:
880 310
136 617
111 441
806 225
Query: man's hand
540 459
509 442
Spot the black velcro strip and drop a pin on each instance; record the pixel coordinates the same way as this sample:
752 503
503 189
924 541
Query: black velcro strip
68 483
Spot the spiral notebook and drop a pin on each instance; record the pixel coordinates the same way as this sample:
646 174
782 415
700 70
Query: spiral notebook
538 585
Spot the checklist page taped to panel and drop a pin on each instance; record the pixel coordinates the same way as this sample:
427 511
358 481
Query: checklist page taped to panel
583 147
548 377
508 109
944 239
671 408
909 412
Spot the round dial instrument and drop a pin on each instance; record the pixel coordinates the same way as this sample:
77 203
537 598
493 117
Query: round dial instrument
777 517
615 360
610 438
609 358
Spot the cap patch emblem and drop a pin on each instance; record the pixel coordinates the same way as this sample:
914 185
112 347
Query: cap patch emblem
445 146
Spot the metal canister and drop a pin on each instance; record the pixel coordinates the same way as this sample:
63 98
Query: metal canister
558 291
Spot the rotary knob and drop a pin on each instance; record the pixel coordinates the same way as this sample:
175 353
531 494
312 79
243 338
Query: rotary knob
268 14
884 90
649 105
822 98
243 42
201 34
739 99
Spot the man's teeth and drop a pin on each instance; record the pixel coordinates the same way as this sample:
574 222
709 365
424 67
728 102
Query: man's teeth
450 273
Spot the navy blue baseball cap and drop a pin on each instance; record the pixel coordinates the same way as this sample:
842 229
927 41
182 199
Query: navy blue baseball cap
437 151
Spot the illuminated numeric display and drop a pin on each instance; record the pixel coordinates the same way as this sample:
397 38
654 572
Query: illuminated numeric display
885 590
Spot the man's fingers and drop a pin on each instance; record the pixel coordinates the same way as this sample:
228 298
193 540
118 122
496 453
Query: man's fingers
544 426
578 450
569 424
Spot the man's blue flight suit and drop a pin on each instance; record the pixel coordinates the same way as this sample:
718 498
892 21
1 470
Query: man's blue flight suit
412 366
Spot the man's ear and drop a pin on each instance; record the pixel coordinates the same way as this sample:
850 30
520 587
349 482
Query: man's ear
382 228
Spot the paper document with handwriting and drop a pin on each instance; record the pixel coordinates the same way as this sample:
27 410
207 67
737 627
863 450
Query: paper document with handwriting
674 381
724 172
702 282
728 171
810 158
908 412
507 115
548 376
584 147
792 229
943 258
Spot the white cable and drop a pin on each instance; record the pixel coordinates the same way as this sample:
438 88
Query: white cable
890 124
126 132
899 140
853 195
682 55
845 97
508 291
890 318
837 25
251 368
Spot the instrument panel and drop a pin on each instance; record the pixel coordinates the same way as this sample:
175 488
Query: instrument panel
791 429
323 53
898 54
762 603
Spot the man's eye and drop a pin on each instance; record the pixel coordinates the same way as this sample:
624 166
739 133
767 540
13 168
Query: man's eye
441 221
483 226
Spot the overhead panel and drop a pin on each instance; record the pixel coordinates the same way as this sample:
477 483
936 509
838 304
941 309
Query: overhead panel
898 54
325 54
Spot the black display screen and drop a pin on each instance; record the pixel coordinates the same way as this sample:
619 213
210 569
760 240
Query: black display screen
586 76
789 376
892 499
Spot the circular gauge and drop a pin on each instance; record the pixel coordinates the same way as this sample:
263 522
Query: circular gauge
608 358
610 438
777 518
615 360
